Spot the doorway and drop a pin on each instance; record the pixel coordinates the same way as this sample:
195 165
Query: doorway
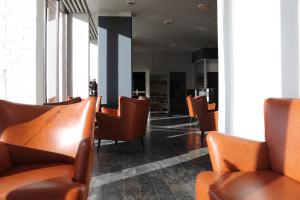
177 92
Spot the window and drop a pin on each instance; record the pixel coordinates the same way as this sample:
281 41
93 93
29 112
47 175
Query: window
56 56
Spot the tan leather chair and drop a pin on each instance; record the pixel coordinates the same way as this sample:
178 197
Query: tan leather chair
111 111
116 111
46 151
69 101
208 120
245 169
129 125
192 113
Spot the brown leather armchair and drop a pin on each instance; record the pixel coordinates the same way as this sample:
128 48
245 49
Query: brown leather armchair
46 151
208 120
129 125
69 101
192 113
111 111
116 112
245 169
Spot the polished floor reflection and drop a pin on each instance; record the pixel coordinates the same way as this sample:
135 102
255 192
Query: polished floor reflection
165 169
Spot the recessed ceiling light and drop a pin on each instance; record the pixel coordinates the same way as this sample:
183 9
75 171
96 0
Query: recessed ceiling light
203 6
201 28
131 2
168 21
173 45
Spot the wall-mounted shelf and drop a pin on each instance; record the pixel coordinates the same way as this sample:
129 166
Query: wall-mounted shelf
159 93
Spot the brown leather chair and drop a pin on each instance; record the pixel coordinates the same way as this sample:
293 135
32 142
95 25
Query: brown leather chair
192 113
46 151
116 112
245 169
208 120
129 125
111 111
69 101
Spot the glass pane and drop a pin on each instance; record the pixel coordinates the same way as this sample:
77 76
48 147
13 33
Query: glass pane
52 53
63 56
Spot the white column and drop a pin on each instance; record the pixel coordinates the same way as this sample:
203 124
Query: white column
290 48
102 63
124 66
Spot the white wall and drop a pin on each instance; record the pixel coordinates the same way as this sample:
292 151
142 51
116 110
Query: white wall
164 63
18 21
258 59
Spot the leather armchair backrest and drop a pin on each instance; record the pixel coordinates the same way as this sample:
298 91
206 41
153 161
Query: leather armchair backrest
134 113
282 132
190 106
199 105
69 101
142 98
98 103
49 129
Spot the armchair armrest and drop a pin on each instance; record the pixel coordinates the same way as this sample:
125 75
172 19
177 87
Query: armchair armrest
228 153
211 106
84 161
5 162
213 120
110 111
109 126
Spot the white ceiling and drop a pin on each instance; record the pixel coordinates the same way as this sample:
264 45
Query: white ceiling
184 35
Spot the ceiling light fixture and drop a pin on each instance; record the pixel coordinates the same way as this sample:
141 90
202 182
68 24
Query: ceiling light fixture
168 21
203 5
201 28
131 2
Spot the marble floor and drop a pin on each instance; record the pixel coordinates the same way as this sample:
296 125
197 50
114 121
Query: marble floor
165 169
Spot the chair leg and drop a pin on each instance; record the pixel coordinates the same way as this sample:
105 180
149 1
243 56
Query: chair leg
116 142
98 147
202 138
142 141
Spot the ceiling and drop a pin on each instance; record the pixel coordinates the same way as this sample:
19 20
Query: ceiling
192 28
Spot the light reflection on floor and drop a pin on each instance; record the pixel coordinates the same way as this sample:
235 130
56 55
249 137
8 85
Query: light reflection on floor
165 169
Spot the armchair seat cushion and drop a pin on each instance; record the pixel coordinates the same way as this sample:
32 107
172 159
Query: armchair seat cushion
259 185
40 181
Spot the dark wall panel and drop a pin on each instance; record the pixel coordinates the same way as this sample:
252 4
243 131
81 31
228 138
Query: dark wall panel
115 26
